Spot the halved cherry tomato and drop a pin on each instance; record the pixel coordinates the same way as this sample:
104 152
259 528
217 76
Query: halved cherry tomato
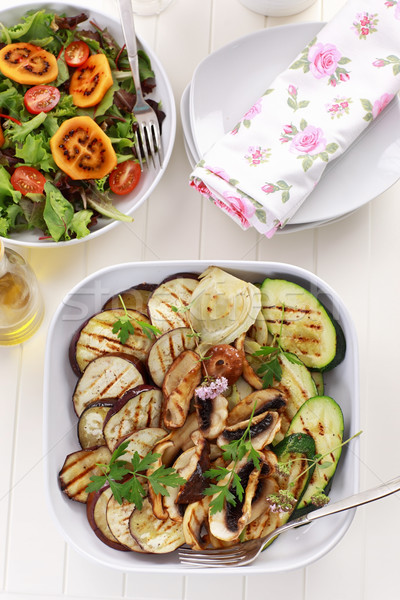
125 177
41 98
76 53
28 180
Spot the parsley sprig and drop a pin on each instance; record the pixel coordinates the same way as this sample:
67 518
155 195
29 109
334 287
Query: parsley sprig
271 369
232 452
124 327
126 478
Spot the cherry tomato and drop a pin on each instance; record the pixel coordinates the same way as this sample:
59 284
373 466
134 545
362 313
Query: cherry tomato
125 177
41 98
28 180
76 53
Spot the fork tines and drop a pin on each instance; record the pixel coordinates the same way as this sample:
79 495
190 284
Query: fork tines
148 143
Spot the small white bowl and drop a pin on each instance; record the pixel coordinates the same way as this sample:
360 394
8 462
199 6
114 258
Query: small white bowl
163 92
296 548
277 8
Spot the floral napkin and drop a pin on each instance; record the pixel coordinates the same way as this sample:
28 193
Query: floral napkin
262 171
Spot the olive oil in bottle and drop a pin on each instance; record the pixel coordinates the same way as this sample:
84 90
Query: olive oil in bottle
21 306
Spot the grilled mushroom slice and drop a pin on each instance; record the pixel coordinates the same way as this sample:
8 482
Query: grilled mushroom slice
223 360
228 524
181 380
212 415
262 430
190 465
194 521
268 399
248 372
262 519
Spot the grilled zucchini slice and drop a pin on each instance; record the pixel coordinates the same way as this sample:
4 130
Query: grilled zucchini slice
321 418
302 324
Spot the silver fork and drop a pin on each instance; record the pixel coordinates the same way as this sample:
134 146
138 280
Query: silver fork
245 553
147 136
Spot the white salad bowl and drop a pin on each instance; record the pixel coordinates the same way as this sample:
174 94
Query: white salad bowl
293 550
128 204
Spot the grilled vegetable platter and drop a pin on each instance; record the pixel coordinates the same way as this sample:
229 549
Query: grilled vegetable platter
67 155
203 410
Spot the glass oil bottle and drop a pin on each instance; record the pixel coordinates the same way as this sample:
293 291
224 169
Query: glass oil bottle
21 305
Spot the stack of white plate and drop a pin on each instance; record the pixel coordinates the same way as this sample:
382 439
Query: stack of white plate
230 80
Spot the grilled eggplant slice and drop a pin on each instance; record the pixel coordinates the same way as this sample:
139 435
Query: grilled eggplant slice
78 468
268 399
322 418
90 425
182 378
302 324
96 338
174 293
118 516
108 376
262 430
96 511
142 442
166 349
134 298
152 534
137 409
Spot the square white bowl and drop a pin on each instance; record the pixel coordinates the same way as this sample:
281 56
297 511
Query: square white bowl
294 549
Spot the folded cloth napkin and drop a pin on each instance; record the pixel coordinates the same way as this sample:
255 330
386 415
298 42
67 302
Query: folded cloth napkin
262 171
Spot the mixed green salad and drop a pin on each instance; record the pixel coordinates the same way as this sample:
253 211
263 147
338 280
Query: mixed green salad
38 189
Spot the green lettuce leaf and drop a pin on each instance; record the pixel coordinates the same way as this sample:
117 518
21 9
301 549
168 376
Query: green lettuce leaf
34 25
7 191
58 212
36 152
80 221
18 133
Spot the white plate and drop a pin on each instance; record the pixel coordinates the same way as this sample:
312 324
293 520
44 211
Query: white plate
293 550
194 159
231 79
163 92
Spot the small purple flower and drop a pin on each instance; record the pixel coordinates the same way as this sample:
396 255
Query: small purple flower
209 391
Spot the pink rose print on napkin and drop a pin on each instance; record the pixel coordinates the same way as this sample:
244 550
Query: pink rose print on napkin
323 61
257 155
338 107
373 110
365 24
293 100
396 4
237 207
280 186
392 60
248 117
217 171
308 142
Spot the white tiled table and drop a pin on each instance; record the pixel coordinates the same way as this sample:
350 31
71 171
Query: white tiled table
358 257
